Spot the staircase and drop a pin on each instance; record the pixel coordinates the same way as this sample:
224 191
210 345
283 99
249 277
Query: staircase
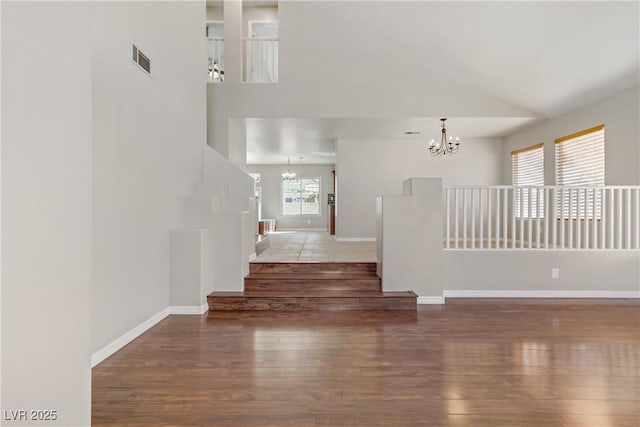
330 286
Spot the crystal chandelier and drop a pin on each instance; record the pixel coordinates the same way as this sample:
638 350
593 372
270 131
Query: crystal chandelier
288 175
446 145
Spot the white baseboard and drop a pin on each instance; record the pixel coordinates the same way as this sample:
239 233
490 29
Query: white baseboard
118 343
189 309
355 239
539 294
252 257
430 300
125 339
301 229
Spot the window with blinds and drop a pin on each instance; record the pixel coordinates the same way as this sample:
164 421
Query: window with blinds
528 170
580 163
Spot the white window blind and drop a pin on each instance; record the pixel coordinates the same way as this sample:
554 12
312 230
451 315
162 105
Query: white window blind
580 162
528 170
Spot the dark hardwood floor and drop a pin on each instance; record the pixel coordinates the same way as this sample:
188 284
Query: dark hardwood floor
551 363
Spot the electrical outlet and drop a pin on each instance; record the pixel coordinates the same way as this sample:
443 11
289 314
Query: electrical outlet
555 273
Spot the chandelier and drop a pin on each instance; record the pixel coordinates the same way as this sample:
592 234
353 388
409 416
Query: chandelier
446 145
288 175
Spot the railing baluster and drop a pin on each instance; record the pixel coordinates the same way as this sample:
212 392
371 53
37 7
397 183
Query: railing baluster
619 228
521 218
481 219
457 218
578 219
489 218
529 217
562 216
637 217
448 221
546 217
473 219
586 238
611 218
505 219
537 218
627 242
497 246
570 223
554 219
594 221
603 218
464 217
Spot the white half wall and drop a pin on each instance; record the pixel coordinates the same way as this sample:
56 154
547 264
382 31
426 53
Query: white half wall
271 183
366 169
46 210
620 115
148 137
521 271
409 247
411 258
223 205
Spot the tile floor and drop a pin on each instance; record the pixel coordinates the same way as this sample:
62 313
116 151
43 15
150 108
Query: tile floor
315 246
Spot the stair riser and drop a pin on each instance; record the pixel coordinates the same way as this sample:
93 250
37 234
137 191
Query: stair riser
296 268
310 304
312 284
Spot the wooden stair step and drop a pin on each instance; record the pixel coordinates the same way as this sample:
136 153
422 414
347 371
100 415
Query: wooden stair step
323 281
311 300
312 267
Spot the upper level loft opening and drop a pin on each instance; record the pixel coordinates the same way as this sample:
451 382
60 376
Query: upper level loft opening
214 32
257 30
215 51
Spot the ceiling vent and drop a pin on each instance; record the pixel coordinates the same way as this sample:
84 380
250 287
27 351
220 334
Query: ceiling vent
141 59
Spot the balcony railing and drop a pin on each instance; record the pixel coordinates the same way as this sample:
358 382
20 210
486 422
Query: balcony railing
260 60
543 217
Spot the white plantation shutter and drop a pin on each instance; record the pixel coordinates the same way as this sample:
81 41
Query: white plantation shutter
528 170
580 162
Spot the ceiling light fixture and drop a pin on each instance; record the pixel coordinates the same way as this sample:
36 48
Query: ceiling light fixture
446 145
288 175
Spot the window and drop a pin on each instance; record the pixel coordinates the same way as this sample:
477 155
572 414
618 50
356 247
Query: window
301 196
528 170
580 162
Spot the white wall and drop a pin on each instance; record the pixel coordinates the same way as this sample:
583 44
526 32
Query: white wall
367 169
215 13
148 136
46 210
257 13
271 182
620 114
521 271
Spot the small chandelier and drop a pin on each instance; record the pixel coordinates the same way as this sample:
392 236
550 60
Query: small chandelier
288 175
446 145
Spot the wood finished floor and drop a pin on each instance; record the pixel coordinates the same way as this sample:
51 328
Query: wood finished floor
569 363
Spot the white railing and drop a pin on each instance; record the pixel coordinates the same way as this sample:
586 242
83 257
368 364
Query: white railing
260 60
215 64
545 217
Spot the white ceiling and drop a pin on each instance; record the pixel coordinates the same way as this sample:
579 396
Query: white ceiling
271 141
546 57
